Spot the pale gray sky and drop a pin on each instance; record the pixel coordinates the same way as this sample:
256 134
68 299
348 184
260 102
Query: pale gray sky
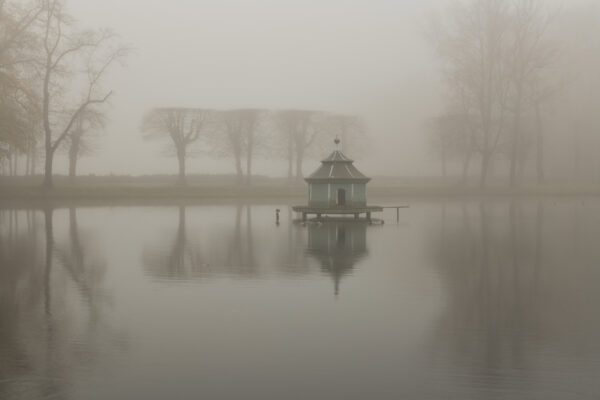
368 57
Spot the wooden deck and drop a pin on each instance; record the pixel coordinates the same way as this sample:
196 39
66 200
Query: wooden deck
319 211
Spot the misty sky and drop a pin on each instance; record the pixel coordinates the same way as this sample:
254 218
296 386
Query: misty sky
367 57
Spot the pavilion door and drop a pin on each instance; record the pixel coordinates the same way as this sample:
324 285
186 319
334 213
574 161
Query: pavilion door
341 197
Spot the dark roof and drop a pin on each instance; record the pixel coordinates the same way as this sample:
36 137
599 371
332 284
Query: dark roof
337 156
337 167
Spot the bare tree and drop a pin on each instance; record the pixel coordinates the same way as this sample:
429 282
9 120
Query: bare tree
240 135
452 139
77 141
473 48
19 110
64 48
572 110
539 97
529 56
298 132
184 126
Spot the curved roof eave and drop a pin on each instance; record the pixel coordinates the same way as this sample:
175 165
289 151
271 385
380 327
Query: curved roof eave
337 180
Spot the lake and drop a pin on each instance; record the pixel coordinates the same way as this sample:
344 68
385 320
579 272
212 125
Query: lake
459 299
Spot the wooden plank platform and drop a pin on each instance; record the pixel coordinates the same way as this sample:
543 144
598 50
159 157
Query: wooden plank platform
337 210
319 211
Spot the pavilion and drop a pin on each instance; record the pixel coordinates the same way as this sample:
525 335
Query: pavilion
337 187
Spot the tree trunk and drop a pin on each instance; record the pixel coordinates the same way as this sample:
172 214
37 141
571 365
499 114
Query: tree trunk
249 169
10 164
485 165
73 153
516 135
539 144
27 157
443 161
485 155
238 168
290 161
465 169
299 159
249 160
181 179
72 168
49 150
33 161
48 183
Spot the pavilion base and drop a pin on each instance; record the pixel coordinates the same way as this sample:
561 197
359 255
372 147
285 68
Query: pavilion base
337 211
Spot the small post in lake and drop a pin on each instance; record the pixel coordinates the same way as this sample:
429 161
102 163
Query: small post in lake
337 188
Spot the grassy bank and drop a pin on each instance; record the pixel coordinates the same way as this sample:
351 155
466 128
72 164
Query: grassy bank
123 193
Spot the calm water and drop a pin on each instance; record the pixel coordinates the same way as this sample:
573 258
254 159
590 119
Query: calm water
457 300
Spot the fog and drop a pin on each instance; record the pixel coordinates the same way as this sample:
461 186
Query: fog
370 58
388 63
340 199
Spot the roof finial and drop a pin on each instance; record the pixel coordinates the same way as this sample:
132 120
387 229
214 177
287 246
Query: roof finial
337 142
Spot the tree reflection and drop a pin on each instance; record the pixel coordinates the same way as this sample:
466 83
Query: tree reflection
40 319
179 260
229 251
203 250
289 248
21 289
488 304
507 286
86 273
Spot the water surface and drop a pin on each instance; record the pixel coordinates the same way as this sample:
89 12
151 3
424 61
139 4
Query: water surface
457 300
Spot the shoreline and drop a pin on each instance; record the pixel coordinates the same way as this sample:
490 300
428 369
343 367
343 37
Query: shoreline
86 194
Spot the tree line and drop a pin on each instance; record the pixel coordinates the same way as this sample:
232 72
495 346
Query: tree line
52 100
51 73
243 135
519 79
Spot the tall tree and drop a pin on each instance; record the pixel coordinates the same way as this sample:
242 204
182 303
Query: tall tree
183 126
19 103
78 143
451 139
473 47
529 56
575 112
66 51
240 136
298 131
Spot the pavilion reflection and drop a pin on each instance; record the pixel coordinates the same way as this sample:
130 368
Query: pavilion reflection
337 244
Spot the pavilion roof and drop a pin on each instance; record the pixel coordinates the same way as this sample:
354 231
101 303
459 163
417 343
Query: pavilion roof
337 167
